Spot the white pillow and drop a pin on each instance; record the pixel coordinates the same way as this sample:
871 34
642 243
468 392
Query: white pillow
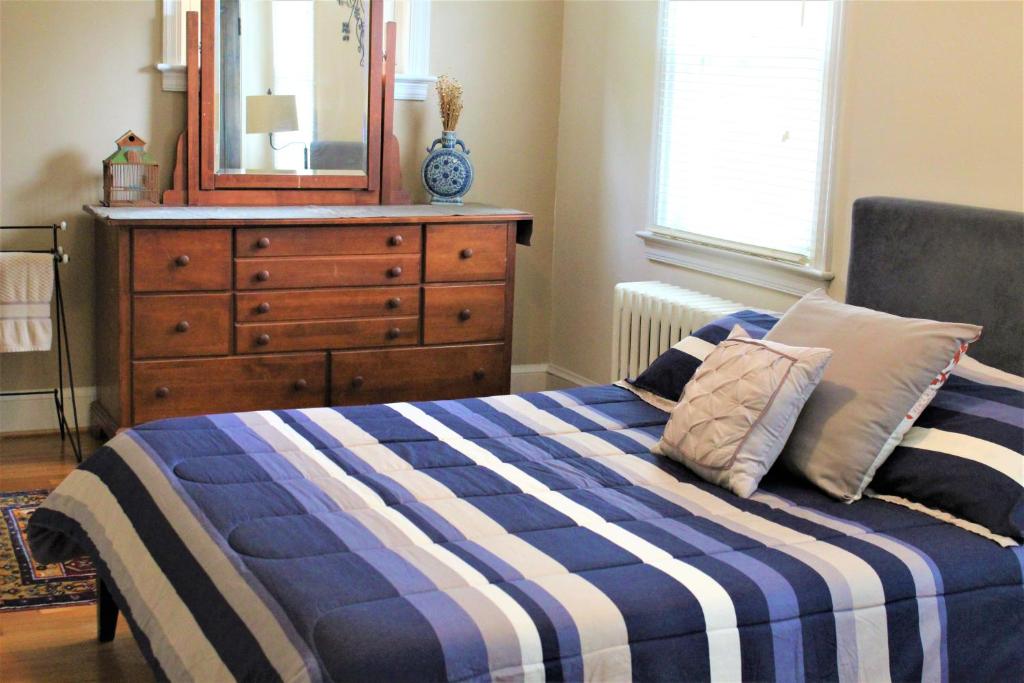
738 410
885 370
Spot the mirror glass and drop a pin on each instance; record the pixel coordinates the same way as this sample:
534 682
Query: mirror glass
292 86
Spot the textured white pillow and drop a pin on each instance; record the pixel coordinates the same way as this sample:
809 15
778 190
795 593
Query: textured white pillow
738 409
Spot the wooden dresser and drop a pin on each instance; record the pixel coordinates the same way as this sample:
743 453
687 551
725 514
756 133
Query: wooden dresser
218 309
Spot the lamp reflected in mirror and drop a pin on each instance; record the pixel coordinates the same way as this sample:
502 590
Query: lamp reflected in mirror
269 114
320 88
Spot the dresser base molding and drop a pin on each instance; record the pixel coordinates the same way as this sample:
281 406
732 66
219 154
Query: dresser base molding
224 309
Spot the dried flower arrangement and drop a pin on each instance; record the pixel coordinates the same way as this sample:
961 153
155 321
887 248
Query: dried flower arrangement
449 95
447 173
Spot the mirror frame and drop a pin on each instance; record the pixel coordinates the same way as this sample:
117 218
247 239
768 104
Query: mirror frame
238 188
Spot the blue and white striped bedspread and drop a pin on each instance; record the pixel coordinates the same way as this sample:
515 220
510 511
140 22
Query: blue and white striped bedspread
515 537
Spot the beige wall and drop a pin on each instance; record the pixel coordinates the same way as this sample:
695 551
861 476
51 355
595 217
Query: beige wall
930 107
340 83
506 55
75 75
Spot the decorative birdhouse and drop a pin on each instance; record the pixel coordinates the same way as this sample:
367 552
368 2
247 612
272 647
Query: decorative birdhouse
130 176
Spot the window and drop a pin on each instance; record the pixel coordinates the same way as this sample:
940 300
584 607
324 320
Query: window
744 128
173 66
412 64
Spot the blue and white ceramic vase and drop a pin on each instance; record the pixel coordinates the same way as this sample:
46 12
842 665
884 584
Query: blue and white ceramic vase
447 172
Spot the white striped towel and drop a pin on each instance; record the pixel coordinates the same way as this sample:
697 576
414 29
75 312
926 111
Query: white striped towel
26 287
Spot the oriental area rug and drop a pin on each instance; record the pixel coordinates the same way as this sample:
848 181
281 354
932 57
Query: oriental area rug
26 584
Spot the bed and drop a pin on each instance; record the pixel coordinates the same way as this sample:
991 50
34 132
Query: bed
530 536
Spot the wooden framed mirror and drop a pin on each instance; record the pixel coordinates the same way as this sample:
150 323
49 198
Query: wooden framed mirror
289 102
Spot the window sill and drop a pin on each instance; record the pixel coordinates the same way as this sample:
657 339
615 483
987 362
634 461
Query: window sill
174 76
756 270
409 87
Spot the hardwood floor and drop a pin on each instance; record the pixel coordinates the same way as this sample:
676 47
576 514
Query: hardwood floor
57 644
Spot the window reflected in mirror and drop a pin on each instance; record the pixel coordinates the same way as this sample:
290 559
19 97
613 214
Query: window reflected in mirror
292 86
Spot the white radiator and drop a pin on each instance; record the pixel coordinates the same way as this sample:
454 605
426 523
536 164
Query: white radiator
649 317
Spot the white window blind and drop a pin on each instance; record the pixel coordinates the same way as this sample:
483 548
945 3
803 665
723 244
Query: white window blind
744 125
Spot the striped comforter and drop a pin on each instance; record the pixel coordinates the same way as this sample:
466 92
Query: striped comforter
514 537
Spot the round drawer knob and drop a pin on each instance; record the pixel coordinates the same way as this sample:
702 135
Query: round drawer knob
263 339
263 275
395 272
394 333
162 392
465 314
466 253
394 302
395 240
263 242
301 384
357 381
479 374
182 326
182 261
264 307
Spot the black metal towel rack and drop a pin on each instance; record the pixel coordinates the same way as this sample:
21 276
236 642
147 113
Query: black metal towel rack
63 345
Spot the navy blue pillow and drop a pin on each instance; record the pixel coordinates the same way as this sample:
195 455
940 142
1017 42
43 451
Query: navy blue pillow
669 373
965 455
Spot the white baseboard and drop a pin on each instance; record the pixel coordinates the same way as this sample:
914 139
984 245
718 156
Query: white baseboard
526 378
529 369
37 413
541 376
570 376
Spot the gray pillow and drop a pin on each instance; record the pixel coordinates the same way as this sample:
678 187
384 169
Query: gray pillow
884 371
738 409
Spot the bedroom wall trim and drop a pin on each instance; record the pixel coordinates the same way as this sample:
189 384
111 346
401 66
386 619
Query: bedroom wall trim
540 376
408 87
173 76
35 413
529 368
570 376
527 378
756 270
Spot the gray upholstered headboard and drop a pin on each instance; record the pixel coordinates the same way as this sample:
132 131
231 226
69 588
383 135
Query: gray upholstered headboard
944 262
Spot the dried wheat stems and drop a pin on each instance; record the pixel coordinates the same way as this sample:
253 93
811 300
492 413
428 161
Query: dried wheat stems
449 95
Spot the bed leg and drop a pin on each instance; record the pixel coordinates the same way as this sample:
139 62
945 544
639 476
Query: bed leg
106 613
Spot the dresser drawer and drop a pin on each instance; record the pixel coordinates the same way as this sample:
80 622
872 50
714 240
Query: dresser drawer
171 260
463 313
419 374
326 241
326 334
326 271
166 325
457 253
319 304
172 388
